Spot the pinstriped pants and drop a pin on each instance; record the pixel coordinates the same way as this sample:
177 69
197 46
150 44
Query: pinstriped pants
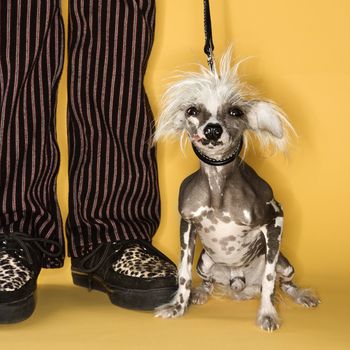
113 184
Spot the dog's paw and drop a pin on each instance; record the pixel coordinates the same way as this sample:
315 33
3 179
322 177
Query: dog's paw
268 322
171 310
308 299
199 296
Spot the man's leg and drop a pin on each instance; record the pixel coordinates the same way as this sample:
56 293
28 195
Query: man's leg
113 175
114 194
31 46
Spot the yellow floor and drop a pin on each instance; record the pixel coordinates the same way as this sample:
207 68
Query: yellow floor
68 317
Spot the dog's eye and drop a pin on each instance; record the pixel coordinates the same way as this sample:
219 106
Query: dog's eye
192 111
235 112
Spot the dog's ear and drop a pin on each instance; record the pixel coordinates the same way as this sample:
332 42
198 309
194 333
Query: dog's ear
172 121
170 124
269 124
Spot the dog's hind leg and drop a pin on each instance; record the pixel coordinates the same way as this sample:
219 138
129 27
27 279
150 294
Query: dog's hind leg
200 294
285 273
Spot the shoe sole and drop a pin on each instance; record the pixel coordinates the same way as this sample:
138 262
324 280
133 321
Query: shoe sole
135 299
17 311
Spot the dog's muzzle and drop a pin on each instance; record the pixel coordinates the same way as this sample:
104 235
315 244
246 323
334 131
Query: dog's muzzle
213 132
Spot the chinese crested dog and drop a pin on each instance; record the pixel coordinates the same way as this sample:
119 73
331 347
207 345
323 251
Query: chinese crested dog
225 202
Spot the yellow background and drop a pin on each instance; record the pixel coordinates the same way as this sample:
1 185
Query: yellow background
301 59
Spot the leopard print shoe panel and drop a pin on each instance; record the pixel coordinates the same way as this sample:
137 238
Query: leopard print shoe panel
13 274
138 262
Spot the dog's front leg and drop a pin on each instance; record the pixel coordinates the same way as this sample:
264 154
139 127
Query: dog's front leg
267 315
176 307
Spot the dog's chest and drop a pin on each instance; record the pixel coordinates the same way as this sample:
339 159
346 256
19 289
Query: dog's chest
224 240
228 213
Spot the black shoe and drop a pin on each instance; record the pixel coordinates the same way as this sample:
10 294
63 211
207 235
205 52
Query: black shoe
20 265
134 274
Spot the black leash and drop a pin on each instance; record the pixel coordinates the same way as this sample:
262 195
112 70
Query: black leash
209 51
209 44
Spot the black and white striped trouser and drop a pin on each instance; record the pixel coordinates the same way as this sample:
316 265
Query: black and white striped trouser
113 183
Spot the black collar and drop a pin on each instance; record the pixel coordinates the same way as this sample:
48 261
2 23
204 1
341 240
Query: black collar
221 162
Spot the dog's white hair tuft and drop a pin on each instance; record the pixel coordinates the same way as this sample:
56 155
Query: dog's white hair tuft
266 121
269 125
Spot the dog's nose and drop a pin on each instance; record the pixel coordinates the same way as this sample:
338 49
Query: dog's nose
213 132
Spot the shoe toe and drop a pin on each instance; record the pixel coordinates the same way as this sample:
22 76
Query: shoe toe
17 289
134 274
139 262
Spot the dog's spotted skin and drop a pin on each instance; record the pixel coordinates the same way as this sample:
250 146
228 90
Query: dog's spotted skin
229 207
176 307
136 262
241 234
13 274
